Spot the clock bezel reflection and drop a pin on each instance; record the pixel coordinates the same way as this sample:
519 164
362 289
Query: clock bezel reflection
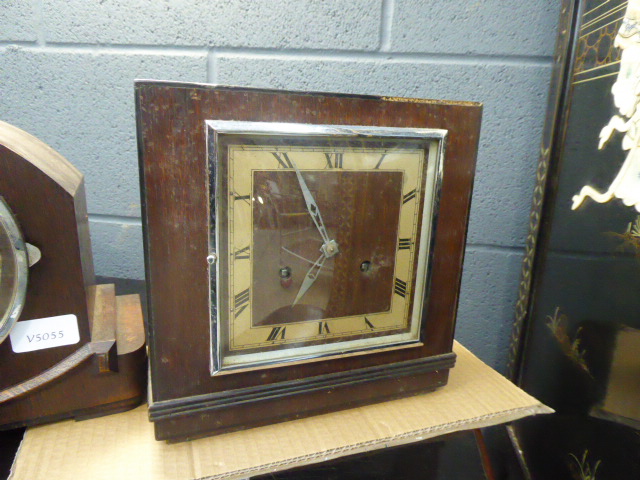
14 268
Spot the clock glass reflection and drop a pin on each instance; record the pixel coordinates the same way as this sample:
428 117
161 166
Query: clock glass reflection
360 211
8 275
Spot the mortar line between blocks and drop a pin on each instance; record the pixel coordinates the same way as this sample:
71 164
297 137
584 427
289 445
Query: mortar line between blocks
390 57
41 34
115 219
18 43
93 48
386 24
212 66
302 54
489 248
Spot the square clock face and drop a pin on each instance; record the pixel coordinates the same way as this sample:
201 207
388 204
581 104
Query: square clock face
320 239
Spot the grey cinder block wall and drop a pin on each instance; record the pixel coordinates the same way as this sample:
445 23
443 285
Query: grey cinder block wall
67 69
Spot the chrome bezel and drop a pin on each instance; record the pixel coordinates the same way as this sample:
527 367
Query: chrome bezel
214 128
20 265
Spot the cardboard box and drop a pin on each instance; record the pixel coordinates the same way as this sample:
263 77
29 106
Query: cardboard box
123 446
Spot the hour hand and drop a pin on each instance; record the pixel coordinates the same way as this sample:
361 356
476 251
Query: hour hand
310 277
312 206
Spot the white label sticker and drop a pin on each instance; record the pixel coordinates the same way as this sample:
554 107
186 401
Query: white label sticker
30 335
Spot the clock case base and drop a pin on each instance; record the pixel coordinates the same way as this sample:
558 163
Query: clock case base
186 401
105 376
186 419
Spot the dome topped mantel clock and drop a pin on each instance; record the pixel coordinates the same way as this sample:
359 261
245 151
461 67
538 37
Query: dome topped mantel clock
68 348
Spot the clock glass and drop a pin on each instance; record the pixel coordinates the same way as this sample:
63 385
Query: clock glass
13 271
320 239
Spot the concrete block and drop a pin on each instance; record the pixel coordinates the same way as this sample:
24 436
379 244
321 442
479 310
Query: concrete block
514 98
481 27
18 20
82 105
339 24
117 249
487 303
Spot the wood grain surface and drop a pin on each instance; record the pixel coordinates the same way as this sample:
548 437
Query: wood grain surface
99 378
173 163
46 195
360 210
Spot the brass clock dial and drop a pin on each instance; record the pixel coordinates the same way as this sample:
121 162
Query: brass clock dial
322 239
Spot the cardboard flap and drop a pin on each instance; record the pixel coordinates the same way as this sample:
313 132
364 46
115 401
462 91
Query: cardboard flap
123 446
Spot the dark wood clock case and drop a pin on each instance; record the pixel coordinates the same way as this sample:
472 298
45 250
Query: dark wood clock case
105 371
186 401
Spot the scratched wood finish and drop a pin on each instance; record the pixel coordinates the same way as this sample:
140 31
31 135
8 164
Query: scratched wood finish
173 163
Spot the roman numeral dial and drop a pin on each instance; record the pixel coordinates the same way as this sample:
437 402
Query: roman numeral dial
323 244
245 198
241 302
277 333
404 244
283 160
409 196
323 328
334 160
400 287
242 254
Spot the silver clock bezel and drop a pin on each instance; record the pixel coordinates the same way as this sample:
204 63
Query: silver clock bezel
215 128
10 230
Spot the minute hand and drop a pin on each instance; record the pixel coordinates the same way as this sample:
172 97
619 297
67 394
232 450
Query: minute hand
312 206
310 278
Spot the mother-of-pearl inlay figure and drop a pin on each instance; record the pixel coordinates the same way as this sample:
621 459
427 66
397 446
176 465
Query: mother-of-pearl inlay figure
626 97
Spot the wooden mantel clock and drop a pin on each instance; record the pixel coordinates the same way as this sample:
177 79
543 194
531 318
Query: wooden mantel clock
68 348
303 250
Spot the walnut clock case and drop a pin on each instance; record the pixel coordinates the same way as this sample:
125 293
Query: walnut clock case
68 348
303 250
